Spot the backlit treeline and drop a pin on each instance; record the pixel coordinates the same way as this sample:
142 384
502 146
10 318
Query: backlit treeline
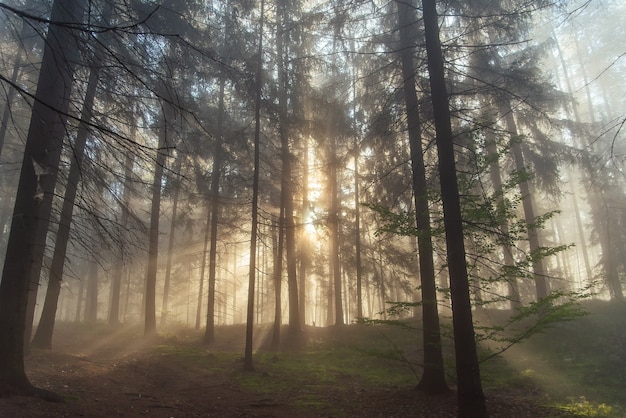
130 192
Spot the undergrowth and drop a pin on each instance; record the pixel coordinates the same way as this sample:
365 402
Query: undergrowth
577 367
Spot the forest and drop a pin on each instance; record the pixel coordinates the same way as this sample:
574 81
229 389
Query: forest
312 208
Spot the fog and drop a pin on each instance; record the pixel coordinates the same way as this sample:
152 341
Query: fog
147 148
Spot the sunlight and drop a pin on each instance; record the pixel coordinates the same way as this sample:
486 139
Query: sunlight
309 225
314 197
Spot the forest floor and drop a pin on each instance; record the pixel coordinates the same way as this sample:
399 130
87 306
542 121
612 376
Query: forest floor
102 372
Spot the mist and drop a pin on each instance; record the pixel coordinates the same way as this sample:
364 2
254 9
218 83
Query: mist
416 206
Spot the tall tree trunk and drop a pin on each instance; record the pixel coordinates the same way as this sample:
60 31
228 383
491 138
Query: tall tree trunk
153 243
539 271
507 250
471 400
209 332
609 254
574 107
330 295
357 233
382 292
433 379
170 244
305 249
79 300
207 232
116 279
278 233
286 187
45 329
91 303
357 204
248 360
35 192
333 231
595 195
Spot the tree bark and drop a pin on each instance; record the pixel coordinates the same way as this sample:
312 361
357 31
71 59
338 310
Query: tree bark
333 231
470 397
248 359
304 248
170 244
45 329
91 302
207 232
35 192
116 279
433 378
153 244
539 271
278 241
286 189
496 180
209 332
79 300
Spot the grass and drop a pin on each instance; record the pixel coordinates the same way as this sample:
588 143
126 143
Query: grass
353 358
578 367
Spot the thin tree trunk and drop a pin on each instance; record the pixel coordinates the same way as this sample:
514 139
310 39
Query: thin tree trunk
330 297
539 271
153 244
610 262
170 244
79 300
286 193
207 232
357 239
433 378
278 241
305 249
357 208
333 231
116 279
91 304
496 179
45 329
574 106
209 332
381 282
248 360
471 400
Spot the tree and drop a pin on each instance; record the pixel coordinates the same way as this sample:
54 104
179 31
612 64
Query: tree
209 335
45 329
541 282
471 401
286 188
172 236
33 202
153 249
248 359
116 279
433 378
